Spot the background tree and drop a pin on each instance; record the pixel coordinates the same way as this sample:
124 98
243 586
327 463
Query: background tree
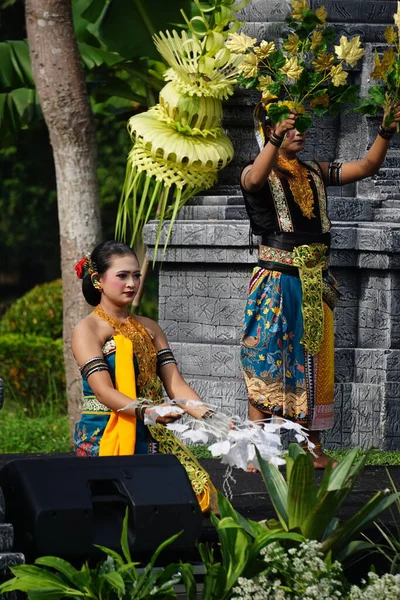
61 87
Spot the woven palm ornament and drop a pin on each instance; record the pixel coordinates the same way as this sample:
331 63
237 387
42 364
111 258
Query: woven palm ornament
179 145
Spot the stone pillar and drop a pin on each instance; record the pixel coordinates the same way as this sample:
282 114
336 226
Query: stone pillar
206 268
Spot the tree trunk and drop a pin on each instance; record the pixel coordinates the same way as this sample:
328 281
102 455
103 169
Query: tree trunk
60 83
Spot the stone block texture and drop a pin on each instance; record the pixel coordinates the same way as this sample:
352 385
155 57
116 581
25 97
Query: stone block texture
206 268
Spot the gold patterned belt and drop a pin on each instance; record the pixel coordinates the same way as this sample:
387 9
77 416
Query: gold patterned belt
309 261
282 257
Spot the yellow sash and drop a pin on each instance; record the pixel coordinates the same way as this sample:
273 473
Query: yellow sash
119 436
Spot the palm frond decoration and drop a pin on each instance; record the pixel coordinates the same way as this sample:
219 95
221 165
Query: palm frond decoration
179 145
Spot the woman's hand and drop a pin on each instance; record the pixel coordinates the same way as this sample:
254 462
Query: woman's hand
286 125
396 110
169 417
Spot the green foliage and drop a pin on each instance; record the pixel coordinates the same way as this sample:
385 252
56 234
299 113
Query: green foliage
114 578
30 365
34 428
38 312
309 509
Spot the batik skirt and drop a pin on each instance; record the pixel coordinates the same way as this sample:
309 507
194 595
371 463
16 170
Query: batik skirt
282 378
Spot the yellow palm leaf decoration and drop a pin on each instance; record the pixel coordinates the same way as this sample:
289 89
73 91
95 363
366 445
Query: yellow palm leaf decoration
179 145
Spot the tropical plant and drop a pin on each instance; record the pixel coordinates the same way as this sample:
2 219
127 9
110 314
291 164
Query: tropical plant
305 74
303 507
179 145
386 94
122 67
116 578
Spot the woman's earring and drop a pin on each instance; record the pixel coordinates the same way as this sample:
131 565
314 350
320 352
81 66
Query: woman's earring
97 285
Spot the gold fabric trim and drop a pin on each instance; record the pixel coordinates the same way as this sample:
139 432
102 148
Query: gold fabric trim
169 444
280 201
322 201
299 184
145 352
310 260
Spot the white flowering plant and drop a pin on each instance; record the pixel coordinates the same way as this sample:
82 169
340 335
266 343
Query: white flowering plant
386 93
307 73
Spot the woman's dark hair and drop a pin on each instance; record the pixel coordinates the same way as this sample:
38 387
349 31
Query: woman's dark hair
101 257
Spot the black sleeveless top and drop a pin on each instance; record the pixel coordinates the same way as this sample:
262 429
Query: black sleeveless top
273 210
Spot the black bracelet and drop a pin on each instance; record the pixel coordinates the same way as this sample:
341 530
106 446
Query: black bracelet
276 140
386 134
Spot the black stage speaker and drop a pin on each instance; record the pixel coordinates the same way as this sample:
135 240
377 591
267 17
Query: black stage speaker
62 506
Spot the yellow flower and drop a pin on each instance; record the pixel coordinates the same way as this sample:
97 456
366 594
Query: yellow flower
321 14
320 101
316 39
278 363
297 106
292 69
285 336
349 50
261 356
297 9
238 43
397 16
258 317
390 35
258 301
264 81
249 312
264 49
378 72
388 59
323 62
276 310
292 43
288 373
338 76
267 98
250 66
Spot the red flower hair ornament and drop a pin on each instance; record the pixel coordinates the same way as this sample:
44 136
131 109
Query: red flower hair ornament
84 267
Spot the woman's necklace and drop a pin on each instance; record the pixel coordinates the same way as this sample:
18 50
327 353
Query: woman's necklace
143 347
299 185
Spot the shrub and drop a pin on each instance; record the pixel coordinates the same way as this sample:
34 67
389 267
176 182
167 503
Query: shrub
32 368
45 433
38 312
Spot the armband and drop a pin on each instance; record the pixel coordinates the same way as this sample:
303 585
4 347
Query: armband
335 173
164 357
97 363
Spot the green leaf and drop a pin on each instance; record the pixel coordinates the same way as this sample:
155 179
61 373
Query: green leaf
277 488
124 538
276 60
235 549
58 564
377 94
278 113
117 557
322 513
115 580
329 34
188 580
214 583
303 122
302 491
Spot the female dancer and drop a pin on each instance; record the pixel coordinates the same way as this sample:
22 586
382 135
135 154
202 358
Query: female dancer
287 349
121 358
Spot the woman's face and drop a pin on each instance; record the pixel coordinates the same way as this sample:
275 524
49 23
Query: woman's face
120 283
293 142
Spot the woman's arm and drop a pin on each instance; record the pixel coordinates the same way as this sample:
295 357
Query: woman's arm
255 175
370 164
86 345
175 386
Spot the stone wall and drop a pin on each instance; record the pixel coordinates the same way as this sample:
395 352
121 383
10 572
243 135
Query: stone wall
205 271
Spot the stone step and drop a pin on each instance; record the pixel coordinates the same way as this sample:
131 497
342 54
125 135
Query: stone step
388 215
206 212
393 203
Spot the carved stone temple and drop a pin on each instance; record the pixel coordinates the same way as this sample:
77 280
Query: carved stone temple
205 273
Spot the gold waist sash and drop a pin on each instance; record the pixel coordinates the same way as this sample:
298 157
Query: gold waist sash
310 261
